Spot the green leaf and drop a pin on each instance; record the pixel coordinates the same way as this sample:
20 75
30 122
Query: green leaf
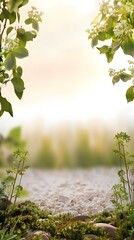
28 21
18 86
21 36
29 36
8 180
20 52
19 71
35 25
103 49
1 79
18 190
9 29
115 79
13 5
102 36
132 17
12 17
24 193
21 30
130 94
5 13
10 61
128 46
24 3
125 76
6 106
115 45
109 56
94 42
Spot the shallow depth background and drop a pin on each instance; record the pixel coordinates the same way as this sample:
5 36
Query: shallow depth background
70 110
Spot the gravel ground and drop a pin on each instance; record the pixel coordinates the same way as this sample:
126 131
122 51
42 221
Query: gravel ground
71 191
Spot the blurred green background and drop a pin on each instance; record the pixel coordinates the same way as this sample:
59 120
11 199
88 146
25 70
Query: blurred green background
64 148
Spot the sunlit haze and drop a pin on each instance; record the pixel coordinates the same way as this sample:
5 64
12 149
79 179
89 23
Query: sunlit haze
67 81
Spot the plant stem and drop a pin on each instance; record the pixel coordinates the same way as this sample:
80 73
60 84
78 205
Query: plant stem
120 157
23 161
15 179
127 174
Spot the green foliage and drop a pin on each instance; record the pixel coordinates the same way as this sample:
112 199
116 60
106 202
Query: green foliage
4 235
10 191
115 26
13 45
27 216
11 188
123 192
10 143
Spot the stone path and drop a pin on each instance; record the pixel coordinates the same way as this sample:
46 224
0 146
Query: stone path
74 191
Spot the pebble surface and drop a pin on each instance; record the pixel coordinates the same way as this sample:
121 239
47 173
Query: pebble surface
77 192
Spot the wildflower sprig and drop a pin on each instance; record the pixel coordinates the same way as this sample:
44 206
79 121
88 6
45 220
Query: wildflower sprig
115 25
123 192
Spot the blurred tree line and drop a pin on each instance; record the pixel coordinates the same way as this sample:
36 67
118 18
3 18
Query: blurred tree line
63 150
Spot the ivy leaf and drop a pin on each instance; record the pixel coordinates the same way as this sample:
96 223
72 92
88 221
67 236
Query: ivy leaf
20 52
10 61
18 84
128 46
6 106
130 94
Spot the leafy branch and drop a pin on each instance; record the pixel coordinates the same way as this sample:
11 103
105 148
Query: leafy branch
114 25
13 46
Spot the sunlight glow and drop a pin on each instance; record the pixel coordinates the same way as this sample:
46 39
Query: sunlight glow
84 6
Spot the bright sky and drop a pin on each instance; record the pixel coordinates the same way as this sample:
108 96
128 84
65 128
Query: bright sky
66 80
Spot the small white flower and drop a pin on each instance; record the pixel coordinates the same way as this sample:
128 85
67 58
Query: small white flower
112 72
10 44
121 28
